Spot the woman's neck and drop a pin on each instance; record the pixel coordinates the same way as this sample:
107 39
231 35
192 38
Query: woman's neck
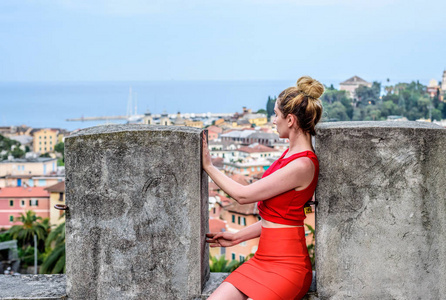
299 141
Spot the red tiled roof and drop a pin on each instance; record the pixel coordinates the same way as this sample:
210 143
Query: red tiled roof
217 162
213 186
57 188
22 192
245 209
240 179
256 148
216 225
215 129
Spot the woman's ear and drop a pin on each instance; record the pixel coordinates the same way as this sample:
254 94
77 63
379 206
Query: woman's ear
291 120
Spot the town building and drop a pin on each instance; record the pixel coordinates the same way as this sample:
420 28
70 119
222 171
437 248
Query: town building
44 140
15 201
247 137
57 196
351 84
257 152
238 217
433 88
32 171
249 168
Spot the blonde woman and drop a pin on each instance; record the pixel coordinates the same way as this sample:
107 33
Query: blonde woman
281 268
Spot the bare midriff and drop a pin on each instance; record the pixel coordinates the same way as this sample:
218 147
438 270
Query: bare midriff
269 224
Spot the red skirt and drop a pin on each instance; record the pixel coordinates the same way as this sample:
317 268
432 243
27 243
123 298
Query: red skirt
280 269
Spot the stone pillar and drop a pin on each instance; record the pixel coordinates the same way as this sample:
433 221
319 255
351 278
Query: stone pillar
381 217
138 213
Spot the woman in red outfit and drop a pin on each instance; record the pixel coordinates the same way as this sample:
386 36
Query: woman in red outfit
281 268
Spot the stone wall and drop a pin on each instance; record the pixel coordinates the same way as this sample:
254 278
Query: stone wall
138 213
381 217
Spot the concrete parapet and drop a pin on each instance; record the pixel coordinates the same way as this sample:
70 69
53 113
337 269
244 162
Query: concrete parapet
381 217
138 213
32 287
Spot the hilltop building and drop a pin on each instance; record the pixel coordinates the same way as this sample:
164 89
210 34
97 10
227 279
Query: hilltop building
351 84
443 85
432 88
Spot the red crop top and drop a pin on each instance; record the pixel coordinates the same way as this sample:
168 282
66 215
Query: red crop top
288 208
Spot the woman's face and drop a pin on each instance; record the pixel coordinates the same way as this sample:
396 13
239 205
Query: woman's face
280 122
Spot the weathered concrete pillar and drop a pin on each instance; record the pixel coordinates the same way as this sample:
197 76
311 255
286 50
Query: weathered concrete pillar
137 218
381 218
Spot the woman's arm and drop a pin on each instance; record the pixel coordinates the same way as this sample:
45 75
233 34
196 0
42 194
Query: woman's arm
298 173
228 239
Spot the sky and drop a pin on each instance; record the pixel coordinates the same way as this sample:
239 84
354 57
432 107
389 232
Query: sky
109 40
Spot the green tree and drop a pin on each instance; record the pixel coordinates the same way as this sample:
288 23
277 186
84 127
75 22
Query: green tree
60 148
310 247
368 95
223 265
337 111
270 106
54 261
31 225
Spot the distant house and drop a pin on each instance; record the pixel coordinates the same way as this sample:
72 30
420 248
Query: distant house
30 171
247 137
57 196
443 84
45 139
238 217
351 84
17 200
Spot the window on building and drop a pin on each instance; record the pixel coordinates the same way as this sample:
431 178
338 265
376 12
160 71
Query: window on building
40 137
241 258
33 202
61 197
232 255
40 143
238 220
22 203
244 221
45 137
243 244
40 149
11 202
233 218
222 250
213 210
11 218
252 169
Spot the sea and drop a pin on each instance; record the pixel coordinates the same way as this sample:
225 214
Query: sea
50 104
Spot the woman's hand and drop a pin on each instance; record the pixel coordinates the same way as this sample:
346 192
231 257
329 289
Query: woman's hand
207 162
221 239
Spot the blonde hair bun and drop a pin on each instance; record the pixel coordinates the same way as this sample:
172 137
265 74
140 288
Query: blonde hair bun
310 87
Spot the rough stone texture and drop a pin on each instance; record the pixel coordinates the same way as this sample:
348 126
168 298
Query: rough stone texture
381 218
138 213
35 287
